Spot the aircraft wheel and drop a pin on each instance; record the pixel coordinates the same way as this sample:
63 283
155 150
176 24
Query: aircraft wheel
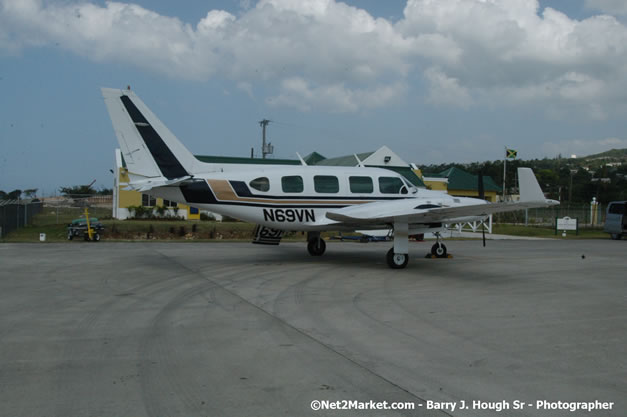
438 250
397 260
316 247
616 236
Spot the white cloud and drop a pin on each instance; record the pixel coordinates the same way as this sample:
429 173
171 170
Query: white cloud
296 92
469 52
444 90
247 88
510 54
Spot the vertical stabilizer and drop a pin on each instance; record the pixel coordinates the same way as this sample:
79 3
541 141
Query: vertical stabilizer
529 188
148 147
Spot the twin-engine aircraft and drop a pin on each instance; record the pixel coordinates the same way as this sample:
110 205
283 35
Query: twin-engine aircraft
294 198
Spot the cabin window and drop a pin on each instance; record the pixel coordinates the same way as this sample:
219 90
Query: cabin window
361 185
616 208
292 184
326 184
392 185
261 184
148 200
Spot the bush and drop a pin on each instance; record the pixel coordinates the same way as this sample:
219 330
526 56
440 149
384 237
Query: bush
161 210
206 216
140 212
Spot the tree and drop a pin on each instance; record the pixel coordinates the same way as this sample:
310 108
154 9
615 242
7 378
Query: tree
14 195
105 191
30 193
77 190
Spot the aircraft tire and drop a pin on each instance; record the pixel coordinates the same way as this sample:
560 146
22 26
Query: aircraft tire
316 247
397 260
438 250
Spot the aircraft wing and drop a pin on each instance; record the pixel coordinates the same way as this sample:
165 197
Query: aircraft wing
414 210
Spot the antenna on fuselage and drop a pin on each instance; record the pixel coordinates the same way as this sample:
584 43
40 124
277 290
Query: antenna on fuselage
302 161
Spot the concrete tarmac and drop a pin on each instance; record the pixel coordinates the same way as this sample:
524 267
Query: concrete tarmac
234 329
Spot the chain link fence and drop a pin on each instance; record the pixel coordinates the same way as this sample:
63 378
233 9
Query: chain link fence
17 213
62 210
588 215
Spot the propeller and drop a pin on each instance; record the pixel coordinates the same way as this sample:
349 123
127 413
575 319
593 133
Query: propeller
481 196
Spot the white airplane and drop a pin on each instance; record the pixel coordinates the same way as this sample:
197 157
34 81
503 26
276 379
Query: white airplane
294 198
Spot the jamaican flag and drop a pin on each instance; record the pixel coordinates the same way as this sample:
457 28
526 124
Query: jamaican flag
510 153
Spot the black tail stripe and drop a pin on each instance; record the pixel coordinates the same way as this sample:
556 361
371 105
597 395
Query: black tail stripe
168 164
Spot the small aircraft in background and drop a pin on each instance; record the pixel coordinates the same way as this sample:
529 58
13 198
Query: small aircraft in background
304 198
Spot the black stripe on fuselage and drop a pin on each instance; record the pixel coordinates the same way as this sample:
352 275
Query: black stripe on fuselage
199 193
168 164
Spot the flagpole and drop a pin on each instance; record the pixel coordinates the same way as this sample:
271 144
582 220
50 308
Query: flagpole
504 171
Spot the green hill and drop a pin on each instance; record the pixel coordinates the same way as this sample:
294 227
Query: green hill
617 154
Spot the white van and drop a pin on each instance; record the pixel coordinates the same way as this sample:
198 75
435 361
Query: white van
616 220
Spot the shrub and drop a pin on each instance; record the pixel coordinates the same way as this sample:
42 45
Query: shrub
206 216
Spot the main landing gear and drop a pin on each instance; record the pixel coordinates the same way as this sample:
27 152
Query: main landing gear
315 244
398 256
397 260
438 249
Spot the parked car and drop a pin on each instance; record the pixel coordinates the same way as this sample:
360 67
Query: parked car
616 220
78 227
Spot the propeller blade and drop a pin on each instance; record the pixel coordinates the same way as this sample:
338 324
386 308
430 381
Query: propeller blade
483 233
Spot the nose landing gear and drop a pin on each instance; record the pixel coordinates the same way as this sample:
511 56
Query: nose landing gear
438 249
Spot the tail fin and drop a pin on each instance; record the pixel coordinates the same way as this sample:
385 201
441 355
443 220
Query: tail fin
148 147
528 185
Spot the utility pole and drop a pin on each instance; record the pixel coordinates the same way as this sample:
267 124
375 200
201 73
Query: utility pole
504 172
265 148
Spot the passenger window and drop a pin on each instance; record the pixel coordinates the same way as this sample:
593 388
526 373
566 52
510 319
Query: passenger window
616 208
261 184
362 185
326 184
391 185
292 184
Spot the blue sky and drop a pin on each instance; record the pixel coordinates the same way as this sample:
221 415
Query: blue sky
445 81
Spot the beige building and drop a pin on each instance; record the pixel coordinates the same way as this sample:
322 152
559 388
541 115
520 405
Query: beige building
123 198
